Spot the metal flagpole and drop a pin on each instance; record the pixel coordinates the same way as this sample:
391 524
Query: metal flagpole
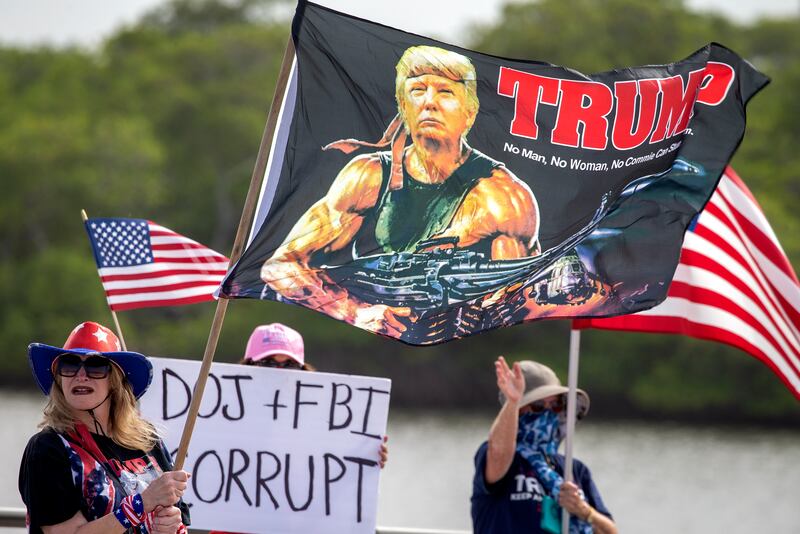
572 398
113 313
238 245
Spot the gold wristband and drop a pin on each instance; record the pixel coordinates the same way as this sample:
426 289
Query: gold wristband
590 516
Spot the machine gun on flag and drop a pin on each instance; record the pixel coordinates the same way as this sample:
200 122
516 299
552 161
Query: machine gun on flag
438 275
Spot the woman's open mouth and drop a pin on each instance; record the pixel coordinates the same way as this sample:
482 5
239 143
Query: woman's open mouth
82 390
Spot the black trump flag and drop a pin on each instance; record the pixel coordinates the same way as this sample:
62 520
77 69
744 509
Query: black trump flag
426 192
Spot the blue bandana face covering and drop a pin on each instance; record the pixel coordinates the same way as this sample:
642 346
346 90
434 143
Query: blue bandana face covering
538 438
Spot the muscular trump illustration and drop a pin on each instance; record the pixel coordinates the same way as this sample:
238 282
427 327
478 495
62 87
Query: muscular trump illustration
436 192
384 202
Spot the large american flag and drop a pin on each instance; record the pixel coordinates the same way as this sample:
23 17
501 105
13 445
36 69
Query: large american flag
734 284
143 264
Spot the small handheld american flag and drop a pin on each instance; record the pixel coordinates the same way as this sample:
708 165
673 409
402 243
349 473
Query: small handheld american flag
142 264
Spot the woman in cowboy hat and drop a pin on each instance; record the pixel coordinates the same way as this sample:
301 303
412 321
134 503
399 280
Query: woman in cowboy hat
97 466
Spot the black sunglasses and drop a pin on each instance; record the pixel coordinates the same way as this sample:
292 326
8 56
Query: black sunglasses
69 365
557 406
272 362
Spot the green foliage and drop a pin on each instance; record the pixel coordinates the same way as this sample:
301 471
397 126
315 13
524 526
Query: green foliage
57 282
599 35
164 121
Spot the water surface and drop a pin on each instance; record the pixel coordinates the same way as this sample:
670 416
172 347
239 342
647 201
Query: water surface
655 478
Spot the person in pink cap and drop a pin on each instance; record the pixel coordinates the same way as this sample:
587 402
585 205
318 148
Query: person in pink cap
281 347
276 345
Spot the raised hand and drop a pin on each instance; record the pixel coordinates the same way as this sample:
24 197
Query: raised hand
511 383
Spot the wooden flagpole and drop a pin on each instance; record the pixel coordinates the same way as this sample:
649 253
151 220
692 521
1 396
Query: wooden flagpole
572 398
113 313
238 245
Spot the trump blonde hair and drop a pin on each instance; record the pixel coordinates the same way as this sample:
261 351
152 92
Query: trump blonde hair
421 60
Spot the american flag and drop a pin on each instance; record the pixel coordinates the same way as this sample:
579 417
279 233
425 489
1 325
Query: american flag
143 264
734 284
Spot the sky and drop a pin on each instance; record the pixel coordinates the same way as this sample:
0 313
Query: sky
88 22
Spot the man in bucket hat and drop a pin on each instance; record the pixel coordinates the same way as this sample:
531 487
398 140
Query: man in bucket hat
518 486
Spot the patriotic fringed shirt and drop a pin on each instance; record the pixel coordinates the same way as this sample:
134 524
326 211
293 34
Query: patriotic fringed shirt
58 477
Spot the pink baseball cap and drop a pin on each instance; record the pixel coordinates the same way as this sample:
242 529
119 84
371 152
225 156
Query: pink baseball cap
275 338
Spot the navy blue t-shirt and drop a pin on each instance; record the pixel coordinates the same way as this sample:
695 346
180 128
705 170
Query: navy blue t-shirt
513 504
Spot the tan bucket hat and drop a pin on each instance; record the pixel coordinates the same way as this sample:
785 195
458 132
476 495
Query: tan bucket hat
541 382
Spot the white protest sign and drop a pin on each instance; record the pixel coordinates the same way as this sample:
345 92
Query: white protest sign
274 450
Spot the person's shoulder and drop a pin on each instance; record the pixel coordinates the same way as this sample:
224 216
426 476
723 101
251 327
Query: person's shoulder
502 178
508 201
481 452
363 174
480 459
580 466
45 444
479 486
365 163
45 438
501 182
495 170
579 469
